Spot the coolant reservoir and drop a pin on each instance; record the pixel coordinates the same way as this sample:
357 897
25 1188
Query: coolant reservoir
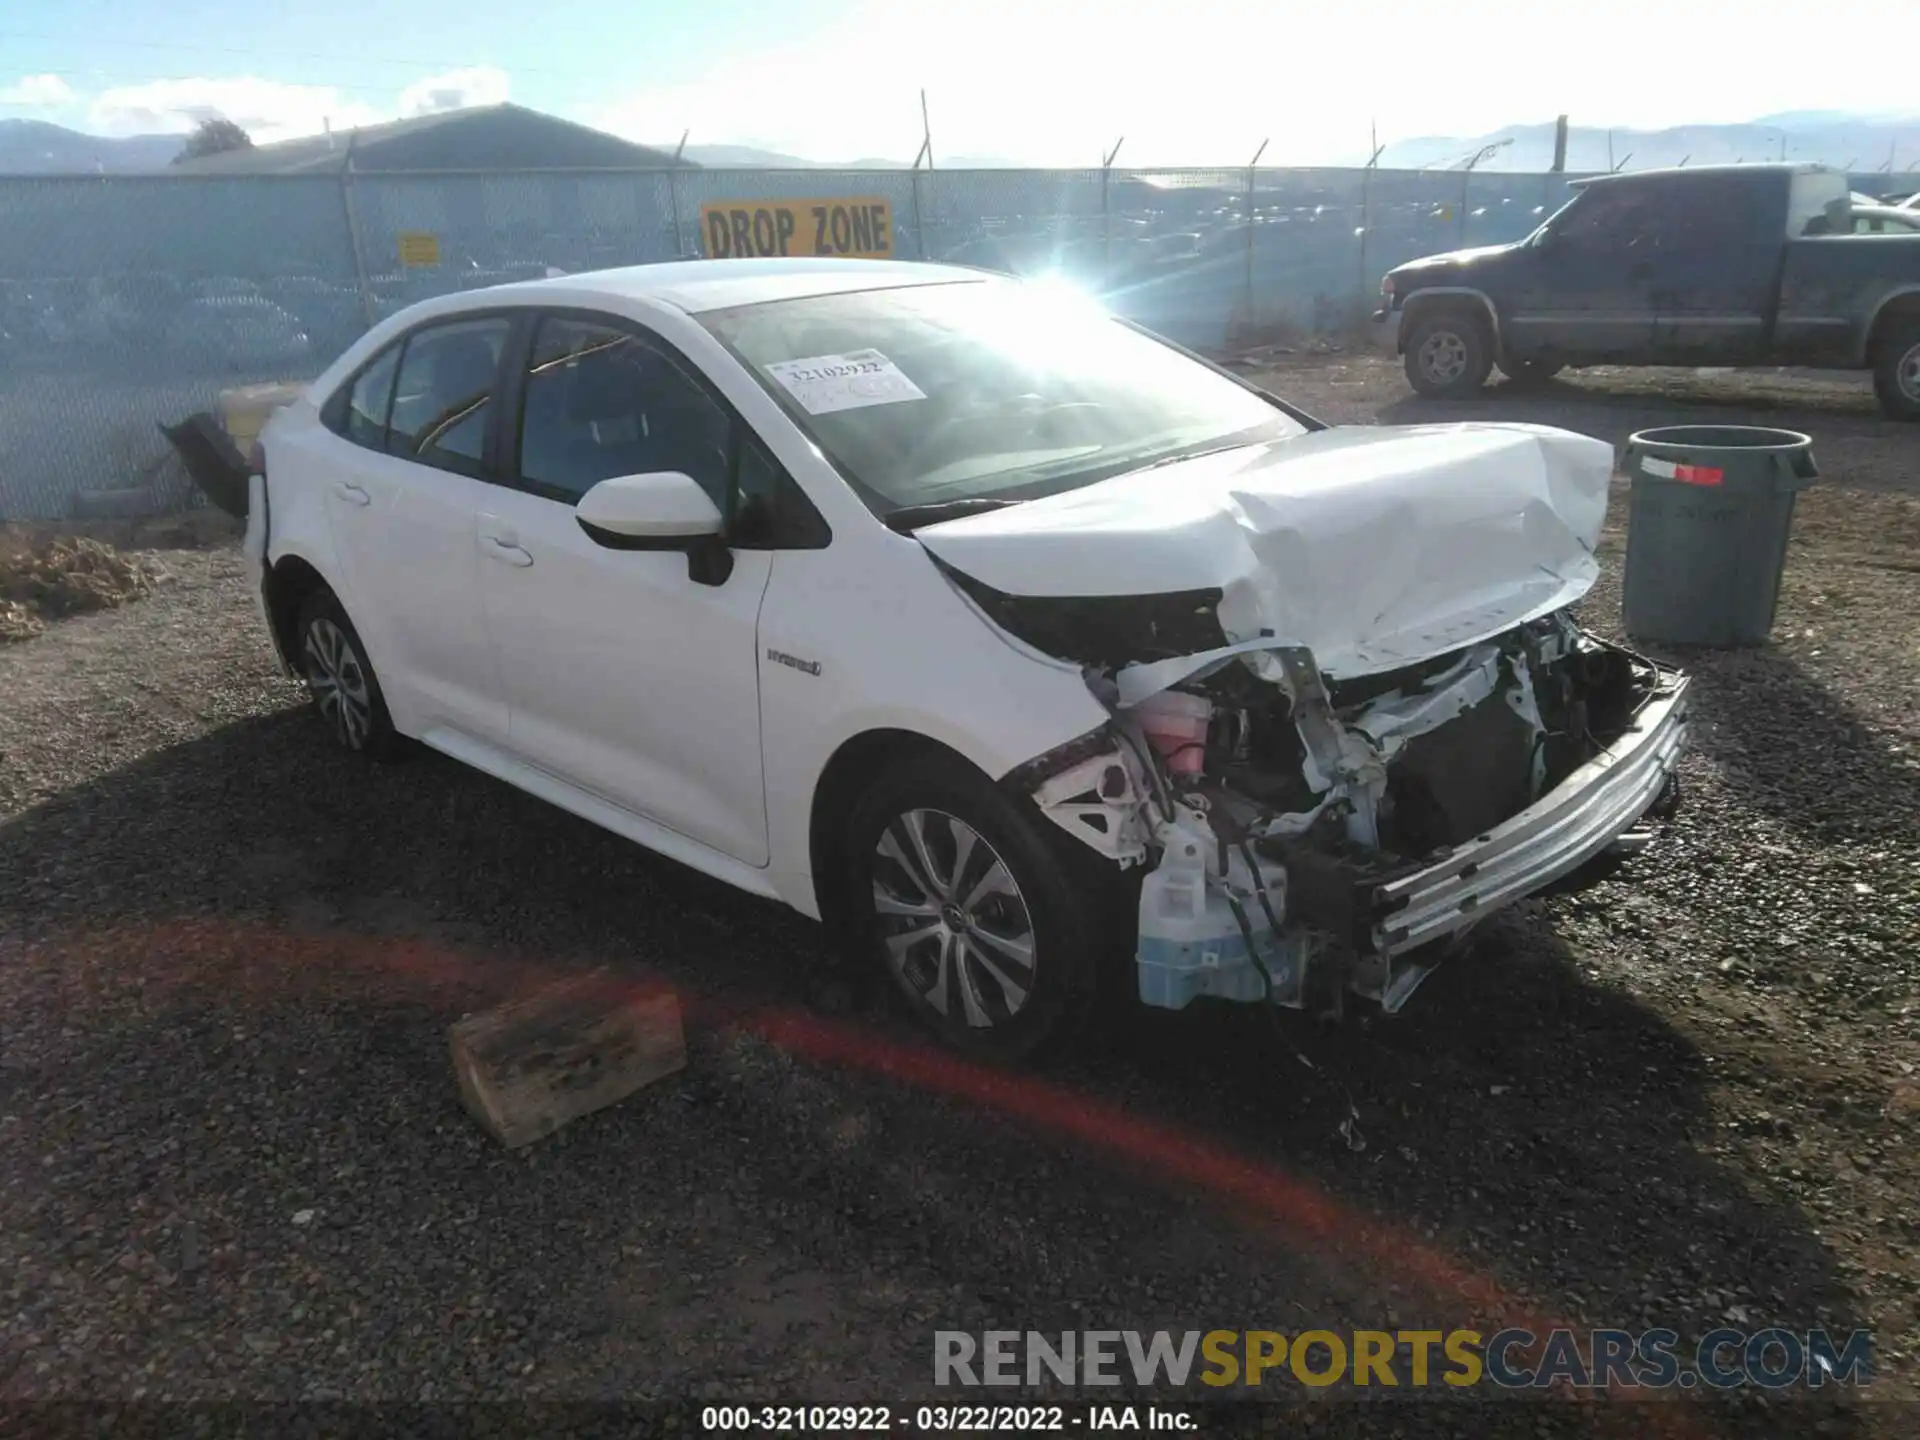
1176 724
1192 943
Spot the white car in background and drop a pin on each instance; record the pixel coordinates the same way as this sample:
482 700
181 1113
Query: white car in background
1000 635
244 330
1884 220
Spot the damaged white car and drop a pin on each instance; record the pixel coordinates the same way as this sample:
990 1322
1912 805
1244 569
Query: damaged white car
1010 641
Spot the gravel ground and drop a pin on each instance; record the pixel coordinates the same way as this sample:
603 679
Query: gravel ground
233 1164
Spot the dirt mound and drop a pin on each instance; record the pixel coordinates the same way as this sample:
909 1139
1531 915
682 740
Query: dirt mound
44 578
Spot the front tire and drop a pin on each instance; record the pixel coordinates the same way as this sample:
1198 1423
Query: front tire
985 925
1896 371
345 691
1449 355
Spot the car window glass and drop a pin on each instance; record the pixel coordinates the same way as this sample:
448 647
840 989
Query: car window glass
441 403
1615 217
365 421
1718 213
601 403
762 494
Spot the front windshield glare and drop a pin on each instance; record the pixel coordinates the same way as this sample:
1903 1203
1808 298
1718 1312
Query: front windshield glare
933 393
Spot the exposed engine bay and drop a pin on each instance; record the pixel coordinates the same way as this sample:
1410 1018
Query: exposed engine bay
1303 836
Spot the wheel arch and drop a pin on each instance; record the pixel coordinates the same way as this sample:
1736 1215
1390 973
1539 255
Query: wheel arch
1092 908
847 771
1903 304
1439 299
289 582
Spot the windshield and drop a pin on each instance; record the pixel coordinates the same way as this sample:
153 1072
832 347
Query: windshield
927 395
1547 224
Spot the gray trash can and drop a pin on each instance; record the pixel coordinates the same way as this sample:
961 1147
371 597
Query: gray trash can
1709 511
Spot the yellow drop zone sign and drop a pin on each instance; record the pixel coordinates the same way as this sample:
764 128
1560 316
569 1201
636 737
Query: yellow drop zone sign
862 228
419 248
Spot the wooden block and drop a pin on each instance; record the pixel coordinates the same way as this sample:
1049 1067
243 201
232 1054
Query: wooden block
528 1067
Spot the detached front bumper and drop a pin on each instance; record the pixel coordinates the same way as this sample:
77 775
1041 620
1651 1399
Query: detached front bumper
1579 818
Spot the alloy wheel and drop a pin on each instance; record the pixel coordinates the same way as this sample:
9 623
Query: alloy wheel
1908 374
953 925
338 681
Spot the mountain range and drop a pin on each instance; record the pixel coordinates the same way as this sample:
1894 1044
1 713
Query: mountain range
1861 143
36 147
751 157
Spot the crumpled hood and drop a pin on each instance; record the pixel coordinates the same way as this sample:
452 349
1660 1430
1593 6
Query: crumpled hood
1374 548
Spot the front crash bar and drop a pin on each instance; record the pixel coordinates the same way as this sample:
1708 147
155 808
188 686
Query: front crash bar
1576 820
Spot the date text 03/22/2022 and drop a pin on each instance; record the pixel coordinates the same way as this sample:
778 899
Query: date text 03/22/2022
943 1419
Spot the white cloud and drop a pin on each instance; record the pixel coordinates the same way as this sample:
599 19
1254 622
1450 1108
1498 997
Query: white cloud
1057 82
36 92
1202 83
268 110
851 90
455 90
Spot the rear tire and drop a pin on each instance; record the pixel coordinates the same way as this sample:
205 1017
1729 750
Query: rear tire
989 929
1530 372
1449 354
345 691
1896 371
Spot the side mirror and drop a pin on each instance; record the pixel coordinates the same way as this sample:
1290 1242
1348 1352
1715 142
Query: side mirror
663 510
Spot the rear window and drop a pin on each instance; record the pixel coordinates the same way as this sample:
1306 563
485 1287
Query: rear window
364 420
444 394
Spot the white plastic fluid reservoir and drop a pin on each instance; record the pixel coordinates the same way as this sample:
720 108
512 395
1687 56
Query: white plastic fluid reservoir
1191 942
1176 723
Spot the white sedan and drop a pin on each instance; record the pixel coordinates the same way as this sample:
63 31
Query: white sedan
1010 641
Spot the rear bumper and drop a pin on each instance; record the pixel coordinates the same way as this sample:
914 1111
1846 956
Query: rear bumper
1582 816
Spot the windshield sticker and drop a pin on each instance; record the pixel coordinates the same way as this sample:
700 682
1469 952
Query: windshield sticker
826 383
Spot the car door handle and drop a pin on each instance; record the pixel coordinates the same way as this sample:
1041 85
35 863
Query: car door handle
503 552
352 493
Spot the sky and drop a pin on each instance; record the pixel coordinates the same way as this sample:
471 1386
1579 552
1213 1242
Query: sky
1052 82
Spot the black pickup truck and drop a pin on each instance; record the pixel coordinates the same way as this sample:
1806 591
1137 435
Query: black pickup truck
1722 265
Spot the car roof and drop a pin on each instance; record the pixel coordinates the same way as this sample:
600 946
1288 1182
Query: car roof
692 286
696 286
1667 172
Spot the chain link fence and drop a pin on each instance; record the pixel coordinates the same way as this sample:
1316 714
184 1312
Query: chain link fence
129 301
